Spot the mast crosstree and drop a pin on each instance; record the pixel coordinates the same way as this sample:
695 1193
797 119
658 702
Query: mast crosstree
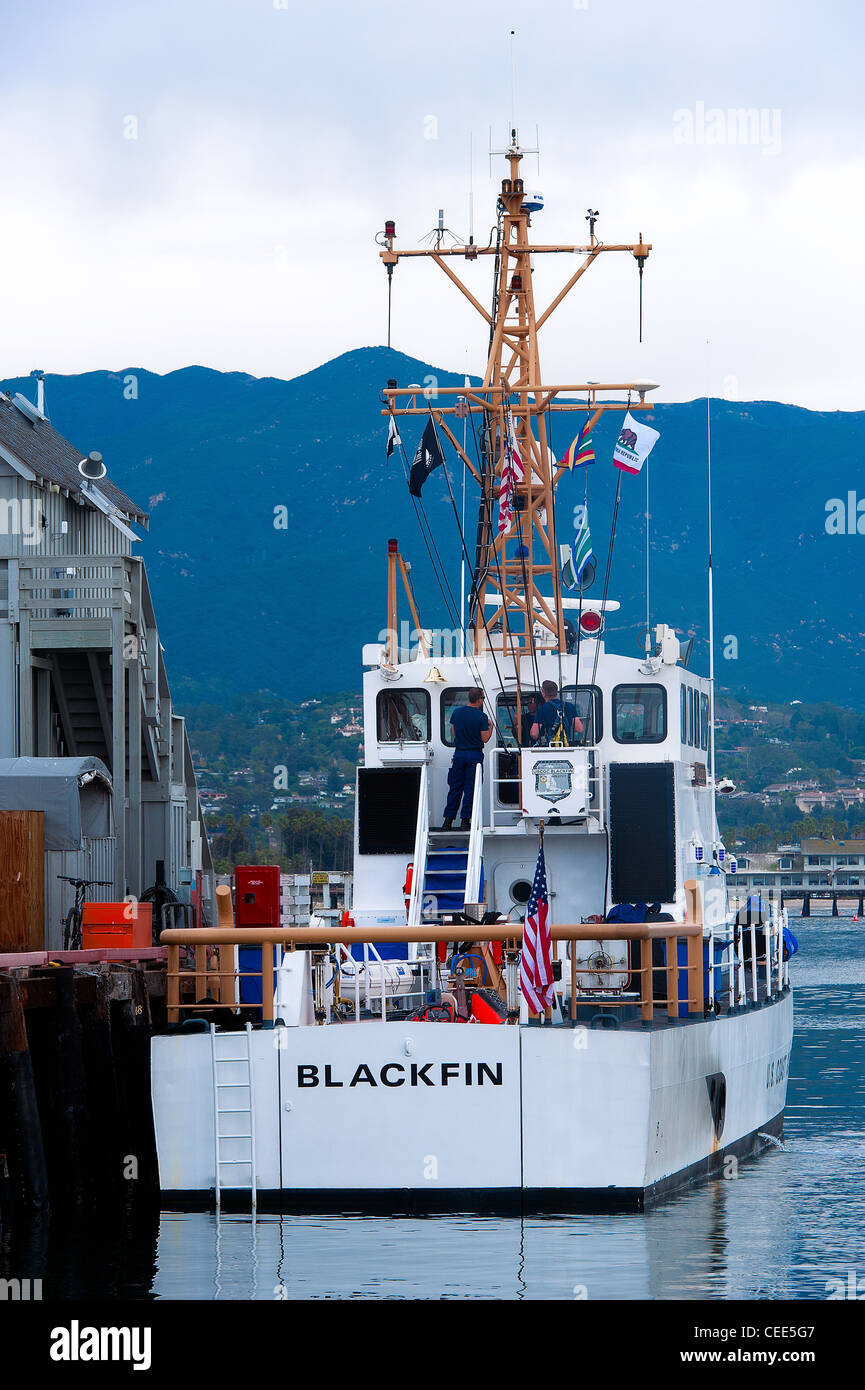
516 589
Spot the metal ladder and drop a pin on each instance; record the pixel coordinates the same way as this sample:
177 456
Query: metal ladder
225 1102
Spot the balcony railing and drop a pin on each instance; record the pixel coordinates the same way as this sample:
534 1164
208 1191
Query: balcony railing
72 586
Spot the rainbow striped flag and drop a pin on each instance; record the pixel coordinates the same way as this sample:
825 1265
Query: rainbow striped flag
582 451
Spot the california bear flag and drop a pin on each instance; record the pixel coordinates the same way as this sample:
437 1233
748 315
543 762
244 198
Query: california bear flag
634 444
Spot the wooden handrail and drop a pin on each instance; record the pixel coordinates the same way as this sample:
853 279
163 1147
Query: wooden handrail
456 931
227 934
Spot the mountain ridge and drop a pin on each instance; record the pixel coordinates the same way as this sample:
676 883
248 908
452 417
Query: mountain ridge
213 454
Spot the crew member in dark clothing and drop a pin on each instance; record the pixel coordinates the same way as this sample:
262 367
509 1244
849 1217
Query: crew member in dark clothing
554 710
471 729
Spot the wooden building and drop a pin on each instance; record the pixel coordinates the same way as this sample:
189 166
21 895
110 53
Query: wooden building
81 666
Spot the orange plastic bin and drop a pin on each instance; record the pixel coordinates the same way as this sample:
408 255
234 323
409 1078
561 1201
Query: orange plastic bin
118 925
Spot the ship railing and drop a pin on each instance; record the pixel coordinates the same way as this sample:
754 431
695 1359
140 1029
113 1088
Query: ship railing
375 998
421 846
504 807
474 864
746 968
684 993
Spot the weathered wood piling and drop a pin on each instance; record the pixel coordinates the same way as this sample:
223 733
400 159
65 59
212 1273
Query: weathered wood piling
76 1123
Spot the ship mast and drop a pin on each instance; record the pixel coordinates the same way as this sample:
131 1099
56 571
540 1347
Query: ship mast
515 604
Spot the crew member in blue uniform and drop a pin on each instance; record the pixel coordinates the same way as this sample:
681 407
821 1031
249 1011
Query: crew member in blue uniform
471 729
552 712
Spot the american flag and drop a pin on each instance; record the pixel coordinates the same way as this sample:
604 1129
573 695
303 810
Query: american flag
536 960
512 473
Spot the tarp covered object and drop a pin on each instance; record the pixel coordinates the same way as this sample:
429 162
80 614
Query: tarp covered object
73 793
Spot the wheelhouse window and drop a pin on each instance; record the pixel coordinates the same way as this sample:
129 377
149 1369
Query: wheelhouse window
403 716
451 699
586 700
513 732
704 721
639 714
691 731
578 703
684 695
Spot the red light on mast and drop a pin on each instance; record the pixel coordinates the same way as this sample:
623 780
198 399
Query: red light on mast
591 623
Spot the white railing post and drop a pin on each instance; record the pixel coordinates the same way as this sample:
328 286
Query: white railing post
753 961
786 962
421 841
476 839
711 960
740 967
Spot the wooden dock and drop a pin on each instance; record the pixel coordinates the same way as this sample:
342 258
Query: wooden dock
75 1115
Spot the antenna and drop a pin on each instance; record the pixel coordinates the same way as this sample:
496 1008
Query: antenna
514 85
471 195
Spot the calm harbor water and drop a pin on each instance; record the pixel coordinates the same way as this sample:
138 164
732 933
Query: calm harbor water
790 1223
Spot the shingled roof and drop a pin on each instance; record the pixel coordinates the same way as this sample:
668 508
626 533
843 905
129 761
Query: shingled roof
38 444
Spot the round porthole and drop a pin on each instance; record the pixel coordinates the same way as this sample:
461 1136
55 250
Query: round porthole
521 891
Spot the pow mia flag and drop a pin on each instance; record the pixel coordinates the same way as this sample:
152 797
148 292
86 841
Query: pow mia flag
428 457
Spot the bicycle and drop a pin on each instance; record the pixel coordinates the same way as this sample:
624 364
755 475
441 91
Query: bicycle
72 922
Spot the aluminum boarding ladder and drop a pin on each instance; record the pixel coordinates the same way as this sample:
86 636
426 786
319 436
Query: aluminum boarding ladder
234 1095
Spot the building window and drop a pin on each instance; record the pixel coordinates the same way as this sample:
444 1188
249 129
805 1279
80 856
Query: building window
639 714
451 699
403 716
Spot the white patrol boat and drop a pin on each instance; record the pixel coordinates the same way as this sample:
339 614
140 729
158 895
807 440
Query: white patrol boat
394 1060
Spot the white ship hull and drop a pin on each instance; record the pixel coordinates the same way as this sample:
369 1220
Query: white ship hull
435 1116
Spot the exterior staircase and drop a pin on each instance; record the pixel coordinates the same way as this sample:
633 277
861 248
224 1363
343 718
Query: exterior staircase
445 872
82 698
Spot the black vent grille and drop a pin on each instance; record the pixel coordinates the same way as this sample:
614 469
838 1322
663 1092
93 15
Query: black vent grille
387 801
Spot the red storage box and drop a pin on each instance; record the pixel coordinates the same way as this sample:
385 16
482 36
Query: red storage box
120 925
256 896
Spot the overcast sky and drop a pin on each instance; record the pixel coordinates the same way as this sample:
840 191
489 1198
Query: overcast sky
201 182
